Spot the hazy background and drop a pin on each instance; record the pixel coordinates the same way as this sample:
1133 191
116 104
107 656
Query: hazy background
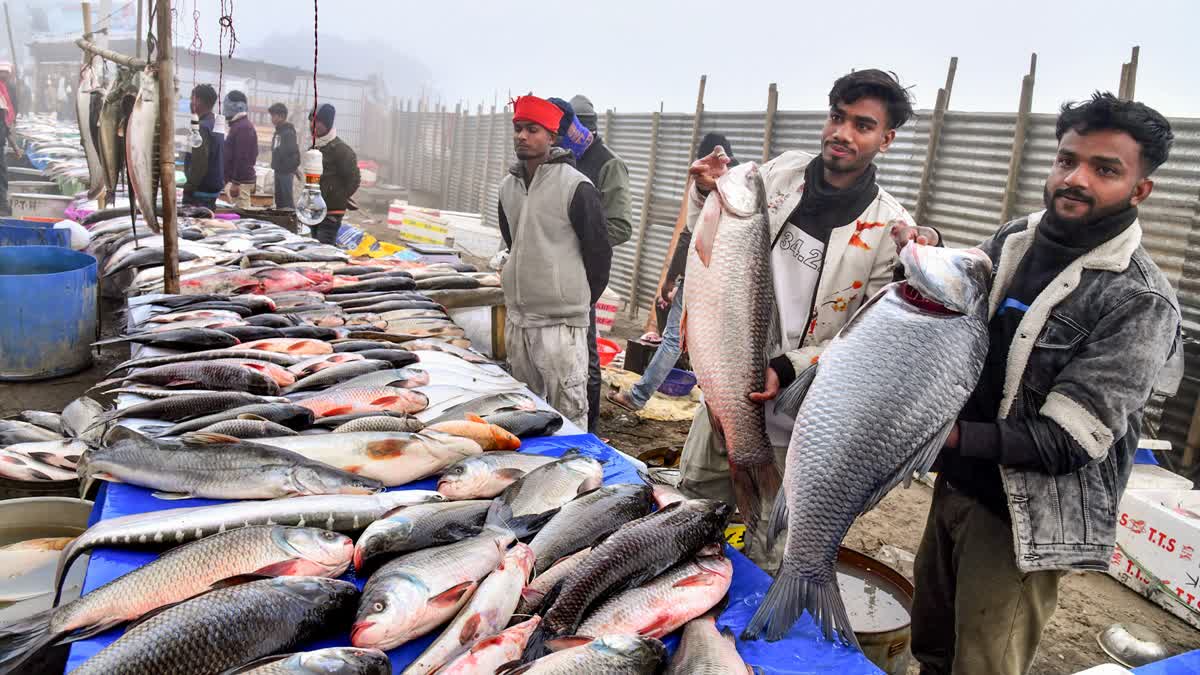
635 54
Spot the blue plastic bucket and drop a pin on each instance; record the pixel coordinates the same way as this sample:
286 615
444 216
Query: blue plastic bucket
35 234
48 304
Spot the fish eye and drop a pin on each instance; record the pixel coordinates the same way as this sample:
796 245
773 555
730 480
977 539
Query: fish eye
378 606
327 535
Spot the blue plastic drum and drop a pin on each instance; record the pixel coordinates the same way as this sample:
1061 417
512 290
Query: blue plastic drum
47 311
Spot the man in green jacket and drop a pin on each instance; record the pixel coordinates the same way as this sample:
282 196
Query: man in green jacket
339 175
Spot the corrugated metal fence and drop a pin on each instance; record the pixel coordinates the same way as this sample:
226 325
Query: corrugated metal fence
463 156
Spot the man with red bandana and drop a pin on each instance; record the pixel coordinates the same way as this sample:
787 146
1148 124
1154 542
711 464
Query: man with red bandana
553 224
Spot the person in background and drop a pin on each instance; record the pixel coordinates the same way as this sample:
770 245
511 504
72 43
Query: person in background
8 117
204 166
552 221
607 171
1084 328
670 295
339 174
241 149
285 156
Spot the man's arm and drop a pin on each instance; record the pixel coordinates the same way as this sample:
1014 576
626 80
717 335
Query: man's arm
504 230
1087 409
291 151
197 165
618 207
587 218
678 260
349 169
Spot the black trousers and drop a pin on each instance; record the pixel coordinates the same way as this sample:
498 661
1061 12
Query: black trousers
594 380
327 230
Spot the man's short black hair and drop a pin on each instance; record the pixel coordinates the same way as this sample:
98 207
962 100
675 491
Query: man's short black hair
1104 111
874 83
278 109
236 96
206 93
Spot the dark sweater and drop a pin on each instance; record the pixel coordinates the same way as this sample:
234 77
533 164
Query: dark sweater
241 151
204 166
285 150
340 177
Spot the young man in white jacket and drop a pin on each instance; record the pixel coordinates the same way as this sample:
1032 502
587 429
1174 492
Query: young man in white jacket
831 251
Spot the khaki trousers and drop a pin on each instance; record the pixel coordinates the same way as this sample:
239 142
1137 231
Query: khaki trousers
553 362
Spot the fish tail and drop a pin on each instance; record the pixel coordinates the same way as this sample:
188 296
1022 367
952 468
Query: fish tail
24 639
752 484
789 596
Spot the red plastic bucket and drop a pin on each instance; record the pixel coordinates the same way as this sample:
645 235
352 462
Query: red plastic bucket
607 349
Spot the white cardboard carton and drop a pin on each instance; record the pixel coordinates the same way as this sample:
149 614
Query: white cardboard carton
1158 549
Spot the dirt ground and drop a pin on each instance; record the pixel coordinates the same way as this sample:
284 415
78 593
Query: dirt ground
1088 603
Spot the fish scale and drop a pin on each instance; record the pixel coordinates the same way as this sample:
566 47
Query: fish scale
588 518
728 309
865 425
227 628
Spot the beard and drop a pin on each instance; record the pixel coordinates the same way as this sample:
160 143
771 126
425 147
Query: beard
1094 212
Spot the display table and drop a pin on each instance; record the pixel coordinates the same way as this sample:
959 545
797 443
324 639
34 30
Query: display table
802 651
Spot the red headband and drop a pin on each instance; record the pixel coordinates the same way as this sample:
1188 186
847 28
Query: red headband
537 110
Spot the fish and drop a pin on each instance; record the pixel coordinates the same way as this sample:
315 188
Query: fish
535 593
293 346
912 412
20 467
475 297
705 650
207 324
233 282
248 427
78 419
360 345
140 136
224 307
413 528
392 458
177 338
414 315
337 373
18 431
394 305
180 407
405 378
487 475
343 401
249 333
229 627
485 614
213 466
339 513
730 326
177 575
369 423
488 436
313 364
417 592
396 358
382 284
328 661
356 270
445 282
335 421
589 518
280 375
276 358
108 142
637 552
27 569
660 606
286 414
490 653
86 98
311 332
207 375
148 256
526 423
271 321
440 346
482 405
527 504
46 420
192 313
609 654
63 454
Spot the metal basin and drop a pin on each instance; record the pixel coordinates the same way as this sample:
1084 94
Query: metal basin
879 602
1132 645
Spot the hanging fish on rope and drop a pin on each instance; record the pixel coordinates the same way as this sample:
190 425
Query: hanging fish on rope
87 108
141 146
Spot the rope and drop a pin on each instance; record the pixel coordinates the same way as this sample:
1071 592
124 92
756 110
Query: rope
122 8
197 41
226 22
312 122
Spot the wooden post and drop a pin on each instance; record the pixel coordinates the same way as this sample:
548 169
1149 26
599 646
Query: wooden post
12 45
487 161
137 45
448 151
166 148
769 123
681 217
1018 148
86 8
1131 79
608 124
499 315
644 220
1123 86
935 137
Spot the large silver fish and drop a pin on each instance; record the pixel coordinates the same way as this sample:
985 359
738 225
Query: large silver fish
88 97
729 326
140 146
868 421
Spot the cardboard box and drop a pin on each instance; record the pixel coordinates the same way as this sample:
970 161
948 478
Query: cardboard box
1158 549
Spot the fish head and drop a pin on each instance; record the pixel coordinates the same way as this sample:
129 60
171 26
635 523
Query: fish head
389 611
349 660
743 193
643 651
463 480
589 467
382 537
314 552
334 595
957 279
314 480
713 513
522 557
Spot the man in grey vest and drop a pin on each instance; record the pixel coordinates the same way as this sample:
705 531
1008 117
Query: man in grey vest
552 221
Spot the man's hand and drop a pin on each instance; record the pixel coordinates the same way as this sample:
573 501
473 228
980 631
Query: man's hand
234 190
770 391
666 294
952 439
902 233
706 170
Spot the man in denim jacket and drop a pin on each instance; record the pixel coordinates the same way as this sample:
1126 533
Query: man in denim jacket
1084 328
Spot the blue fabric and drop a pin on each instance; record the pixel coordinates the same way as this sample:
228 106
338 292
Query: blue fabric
802 651
1145 456
1184 664
1015 304
577 138
664 358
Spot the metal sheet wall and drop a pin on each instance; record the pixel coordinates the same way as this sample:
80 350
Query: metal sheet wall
630 138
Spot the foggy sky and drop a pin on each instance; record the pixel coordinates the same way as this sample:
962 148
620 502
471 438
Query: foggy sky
633 54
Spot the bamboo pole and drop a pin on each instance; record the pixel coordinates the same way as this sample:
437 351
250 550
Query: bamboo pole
644 220
1131 80
935 139
769 123
1011 184
109 55
166 148
12 45
137 45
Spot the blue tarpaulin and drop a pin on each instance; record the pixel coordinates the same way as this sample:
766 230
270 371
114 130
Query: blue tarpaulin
803 651
1184 664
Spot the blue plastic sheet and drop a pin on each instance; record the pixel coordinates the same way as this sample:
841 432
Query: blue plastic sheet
1184 664
803 651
